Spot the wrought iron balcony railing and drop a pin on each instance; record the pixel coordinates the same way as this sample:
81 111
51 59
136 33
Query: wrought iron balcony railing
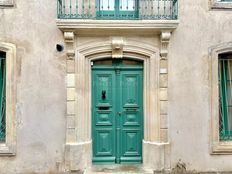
118 9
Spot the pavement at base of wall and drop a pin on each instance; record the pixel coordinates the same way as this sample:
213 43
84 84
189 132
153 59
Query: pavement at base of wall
144 172
190 172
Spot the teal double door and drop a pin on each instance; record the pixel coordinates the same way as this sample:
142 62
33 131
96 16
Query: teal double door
117 112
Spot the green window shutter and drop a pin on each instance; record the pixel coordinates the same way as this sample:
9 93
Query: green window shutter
225 97
2 96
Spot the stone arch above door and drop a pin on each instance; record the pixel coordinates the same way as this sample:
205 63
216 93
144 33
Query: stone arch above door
78 149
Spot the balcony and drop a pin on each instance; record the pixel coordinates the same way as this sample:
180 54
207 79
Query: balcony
118 9
86 15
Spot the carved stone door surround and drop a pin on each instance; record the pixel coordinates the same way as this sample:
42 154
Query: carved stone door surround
78 145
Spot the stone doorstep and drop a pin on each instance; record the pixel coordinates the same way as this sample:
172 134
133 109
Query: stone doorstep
118 169
114 173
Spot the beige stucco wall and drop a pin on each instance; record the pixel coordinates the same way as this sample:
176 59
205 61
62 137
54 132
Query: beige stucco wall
41 91
40 84
189 104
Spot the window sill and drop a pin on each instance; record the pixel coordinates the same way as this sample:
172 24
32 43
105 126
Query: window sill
221 5
5 6
7 150
222 147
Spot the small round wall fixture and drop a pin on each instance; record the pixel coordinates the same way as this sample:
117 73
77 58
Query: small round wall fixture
59 47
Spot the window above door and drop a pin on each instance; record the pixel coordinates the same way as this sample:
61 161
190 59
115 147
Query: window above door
118 9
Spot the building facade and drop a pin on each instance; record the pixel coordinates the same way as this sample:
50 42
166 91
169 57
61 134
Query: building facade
115 86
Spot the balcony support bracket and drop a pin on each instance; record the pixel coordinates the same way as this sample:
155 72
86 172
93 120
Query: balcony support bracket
164 38
69 41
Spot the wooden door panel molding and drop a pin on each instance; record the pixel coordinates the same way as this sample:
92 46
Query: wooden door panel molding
103 118
132 147
105 142
131 118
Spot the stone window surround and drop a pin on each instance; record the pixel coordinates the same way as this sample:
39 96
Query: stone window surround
215 4
217 146
8 148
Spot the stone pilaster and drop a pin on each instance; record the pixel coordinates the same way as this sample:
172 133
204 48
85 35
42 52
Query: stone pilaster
70 84
163 88
70 100
76 159
163 97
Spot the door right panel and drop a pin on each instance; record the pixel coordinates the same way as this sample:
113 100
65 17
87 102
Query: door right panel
132 116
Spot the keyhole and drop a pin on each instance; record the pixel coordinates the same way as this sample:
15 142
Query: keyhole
103 94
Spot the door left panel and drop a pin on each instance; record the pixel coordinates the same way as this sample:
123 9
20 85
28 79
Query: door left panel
103 131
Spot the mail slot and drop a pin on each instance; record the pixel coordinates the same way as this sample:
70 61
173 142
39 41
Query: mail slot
103 108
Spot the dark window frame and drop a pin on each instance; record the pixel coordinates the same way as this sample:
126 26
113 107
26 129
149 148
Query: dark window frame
225 96
2 96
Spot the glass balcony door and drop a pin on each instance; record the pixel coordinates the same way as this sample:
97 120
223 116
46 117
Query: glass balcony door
127 5
117 9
